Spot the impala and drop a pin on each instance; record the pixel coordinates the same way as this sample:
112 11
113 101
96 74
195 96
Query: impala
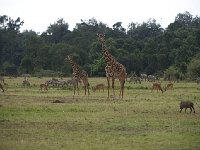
44 86
157 86
169 86
98 87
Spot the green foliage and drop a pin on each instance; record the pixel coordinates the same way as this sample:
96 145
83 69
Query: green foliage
9 68
26 65
171 73
7 23
145 47
47 73
98 67
194 67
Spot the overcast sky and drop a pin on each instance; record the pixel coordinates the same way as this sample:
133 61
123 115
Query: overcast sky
39 14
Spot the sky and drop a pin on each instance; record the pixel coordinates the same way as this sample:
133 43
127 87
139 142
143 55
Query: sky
39 14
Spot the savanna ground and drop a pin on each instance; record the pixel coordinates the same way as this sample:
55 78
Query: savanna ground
142 120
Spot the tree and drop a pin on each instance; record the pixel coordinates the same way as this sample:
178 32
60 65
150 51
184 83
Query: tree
9 68
26 64
194 67
57 31
7 23
184 19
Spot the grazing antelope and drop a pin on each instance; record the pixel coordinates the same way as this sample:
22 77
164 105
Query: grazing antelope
157 86
98 87
169 86
26 83
1 87
44 86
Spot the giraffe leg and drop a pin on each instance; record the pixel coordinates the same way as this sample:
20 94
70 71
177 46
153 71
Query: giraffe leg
85 89
78 90
120 93
108 81
74 89
77 87
122 89
113 86
88 89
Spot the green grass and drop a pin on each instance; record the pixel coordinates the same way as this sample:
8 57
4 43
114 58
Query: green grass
142 120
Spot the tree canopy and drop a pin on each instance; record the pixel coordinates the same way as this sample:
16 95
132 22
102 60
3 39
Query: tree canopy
143 48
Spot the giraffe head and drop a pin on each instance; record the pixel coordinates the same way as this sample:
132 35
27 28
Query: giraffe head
68 58
101 37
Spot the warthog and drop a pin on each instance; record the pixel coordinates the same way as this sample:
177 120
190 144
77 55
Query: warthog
187 104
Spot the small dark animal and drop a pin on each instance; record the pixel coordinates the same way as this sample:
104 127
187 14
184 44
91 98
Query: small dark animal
57 101
187 104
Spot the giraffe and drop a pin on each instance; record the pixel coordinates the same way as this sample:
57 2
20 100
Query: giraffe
113 68
78 75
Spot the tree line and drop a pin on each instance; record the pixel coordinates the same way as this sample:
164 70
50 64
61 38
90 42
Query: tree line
142 47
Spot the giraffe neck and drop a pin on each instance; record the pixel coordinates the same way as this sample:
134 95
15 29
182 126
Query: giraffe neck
75 67
108 57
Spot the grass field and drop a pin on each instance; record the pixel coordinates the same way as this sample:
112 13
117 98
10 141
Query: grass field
142 120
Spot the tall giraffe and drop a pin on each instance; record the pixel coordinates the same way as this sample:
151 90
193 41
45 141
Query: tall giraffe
78 75
113 68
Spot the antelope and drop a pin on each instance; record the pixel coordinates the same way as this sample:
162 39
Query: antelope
169 86
1 87
157 86
98 86
26 83
44 86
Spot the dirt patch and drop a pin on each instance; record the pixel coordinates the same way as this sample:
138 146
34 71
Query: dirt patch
58 101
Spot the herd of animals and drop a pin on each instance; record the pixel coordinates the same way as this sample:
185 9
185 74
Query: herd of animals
114 70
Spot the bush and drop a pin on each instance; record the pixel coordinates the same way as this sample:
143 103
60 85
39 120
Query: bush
47 73
172 73
194 68
9 68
